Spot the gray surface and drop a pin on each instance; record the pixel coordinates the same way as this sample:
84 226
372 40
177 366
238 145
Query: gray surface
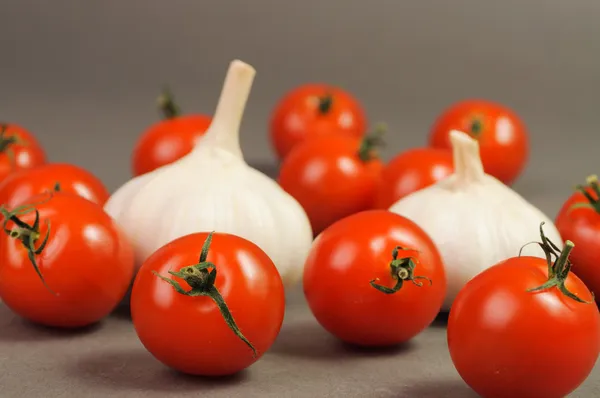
83 77
304 362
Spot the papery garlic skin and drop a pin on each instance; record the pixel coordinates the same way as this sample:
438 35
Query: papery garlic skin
475 220
214 189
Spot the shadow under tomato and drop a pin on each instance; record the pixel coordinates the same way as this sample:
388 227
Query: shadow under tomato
123 311
441 321
16 329
438 389
136 369
309 340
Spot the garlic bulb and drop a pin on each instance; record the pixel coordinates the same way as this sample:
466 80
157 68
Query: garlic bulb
213 188
475 220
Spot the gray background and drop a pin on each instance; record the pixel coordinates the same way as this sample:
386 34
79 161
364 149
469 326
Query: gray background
83 76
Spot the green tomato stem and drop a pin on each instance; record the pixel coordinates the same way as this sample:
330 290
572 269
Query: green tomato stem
7 141
592 202
325 103
167 105
28 235
559 267
402 269
371 143
201 279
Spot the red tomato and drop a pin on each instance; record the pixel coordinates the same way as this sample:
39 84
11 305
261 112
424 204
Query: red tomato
21 185
411 171
509 338
332 177
355 256
314 110
19 150
168 140
502 136
579 221
203 307
85 262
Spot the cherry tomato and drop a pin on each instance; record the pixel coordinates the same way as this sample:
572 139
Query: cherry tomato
579 221
19 150
332 177
374 279
208 304
168 140
411 171
85 263
22 184
502 136
516 331
314 110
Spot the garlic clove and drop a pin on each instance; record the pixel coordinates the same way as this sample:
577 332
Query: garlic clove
475 220
213 189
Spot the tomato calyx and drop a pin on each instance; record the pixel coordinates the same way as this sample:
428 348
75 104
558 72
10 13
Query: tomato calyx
371 143
559 267
201 279
476 127
325 103
6 143
592 202
28 235
167 105
403 269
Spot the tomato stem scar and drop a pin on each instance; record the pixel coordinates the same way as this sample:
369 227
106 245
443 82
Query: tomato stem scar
201 279
593 202
559 267
402 270
476 127
27 234
371 142
325 103
167 105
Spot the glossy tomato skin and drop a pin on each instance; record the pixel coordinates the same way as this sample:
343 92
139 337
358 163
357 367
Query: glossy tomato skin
22 184
167 141
354 251
189 333
502 135
582 227
507 342
26 155
297 116
328 178
88 263
411 171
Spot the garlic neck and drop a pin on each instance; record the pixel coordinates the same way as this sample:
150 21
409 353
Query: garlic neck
224 131
468 168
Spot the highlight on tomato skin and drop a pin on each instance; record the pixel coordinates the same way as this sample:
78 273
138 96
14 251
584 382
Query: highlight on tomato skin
313 110
19 149
64 262
333 176
578 220
374 279
521 320
412 170
21 185
208 304
502 135
169 139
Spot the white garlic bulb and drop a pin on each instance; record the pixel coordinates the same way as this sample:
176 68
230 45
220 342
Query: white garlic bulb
475 220
214 189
